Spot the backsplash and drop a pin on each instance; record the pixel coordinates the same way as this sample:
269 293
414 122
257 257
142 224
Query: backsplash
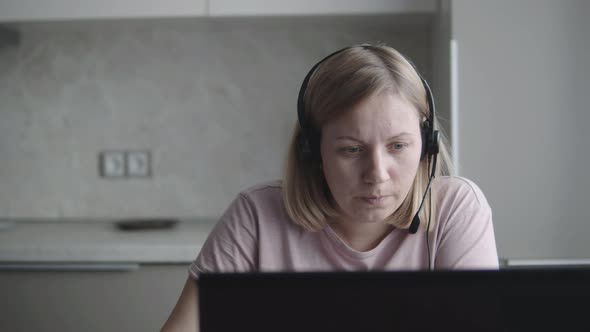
213 100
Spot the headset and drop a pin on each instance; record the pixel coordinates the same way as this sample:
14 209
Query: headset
308 140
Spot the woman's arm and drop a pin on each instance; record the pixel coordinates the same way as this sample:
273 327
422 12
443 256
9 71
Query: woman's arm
230 247
185 315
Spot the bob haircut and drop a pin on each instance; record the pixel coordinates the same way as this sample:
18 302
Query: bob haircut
336 86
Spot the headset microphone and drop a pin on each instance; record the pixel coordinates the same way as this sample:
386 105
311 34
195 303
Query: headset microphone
430 147
416 220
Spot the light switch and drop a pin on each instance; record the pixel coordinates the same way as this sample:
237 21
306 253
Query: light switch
112 163
138 163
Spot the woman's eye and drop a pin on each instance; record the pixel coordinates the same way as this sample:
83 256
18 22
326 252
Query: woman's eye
351 149
398 146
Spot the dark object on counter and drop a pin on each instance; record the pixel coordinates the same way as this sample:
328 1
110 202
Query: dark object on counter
9 37
145 224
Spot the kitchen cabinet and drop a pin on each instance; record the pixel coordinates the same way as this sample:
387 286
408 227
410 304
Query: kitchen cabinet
91 299
40 10
89 275
318 7
33 10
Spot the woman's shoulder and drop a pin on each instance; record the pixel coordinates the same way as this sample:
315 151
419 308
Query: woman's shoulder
457 188
263 190
253 205
265 197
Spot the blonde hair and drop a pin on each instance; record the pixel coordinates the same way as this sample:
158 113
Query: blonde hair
337 85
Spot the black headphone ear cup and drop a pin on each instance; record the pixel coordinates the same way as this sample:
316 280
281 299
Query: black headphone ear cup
304 148
430 140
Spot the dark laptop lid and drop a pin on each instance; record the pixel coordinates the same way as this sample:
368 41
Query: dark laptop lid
505 300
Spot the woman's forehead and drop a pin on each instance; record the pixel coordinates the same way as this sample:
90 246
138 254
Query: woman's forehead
382 114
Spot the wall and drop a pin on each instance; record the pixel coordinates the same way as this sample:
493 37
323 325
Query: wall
213 99
524 97
441 76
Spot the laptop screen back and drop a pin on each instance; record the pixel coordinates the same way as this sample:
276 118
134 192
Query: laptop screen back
505 300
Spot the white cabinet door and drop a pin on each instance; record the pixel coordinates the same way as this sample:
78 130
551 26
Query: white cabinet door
318 7
32 10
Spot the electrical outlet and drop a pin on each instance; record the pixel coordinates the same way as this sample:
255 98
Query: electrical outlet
112 164
138 163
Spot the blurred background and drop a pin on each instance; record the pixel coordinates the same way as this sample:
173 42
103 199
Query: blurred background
127 127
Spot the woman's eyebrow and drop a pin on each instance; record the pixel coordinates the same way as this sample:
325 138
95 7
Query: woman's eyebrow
358 140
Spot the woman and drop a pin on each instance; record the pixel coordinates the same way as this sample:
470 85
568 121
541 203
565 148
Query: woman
361 177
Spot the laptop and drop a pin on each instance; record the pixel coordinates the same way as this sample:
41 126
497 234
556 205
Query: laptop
505 300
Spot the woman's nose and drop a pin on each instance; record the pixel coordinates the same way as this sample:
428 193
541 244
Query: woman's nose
376 169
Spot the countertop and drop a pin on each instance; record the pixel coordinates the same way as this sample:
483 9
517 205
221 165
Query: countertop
93 243
100 242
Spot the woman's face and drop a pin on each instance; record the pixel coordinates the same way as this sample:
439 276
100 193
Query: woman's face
370 157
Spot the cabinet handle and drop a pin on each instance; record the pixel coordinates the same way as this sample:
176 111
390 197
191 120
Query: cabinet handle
91 267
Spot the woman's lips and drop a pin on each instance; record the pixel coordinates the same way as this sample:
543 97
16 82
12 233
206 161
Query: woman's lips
374 200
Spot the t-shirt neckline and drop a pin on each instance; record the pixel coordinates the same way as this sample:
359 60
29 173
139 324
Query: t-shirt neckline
345 249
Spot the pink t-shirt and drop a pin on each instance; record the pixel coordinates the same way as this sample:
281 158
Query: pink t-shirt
256 234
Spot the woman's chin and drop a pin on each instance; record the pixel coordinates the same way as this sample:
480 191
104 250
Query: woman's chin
361 213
